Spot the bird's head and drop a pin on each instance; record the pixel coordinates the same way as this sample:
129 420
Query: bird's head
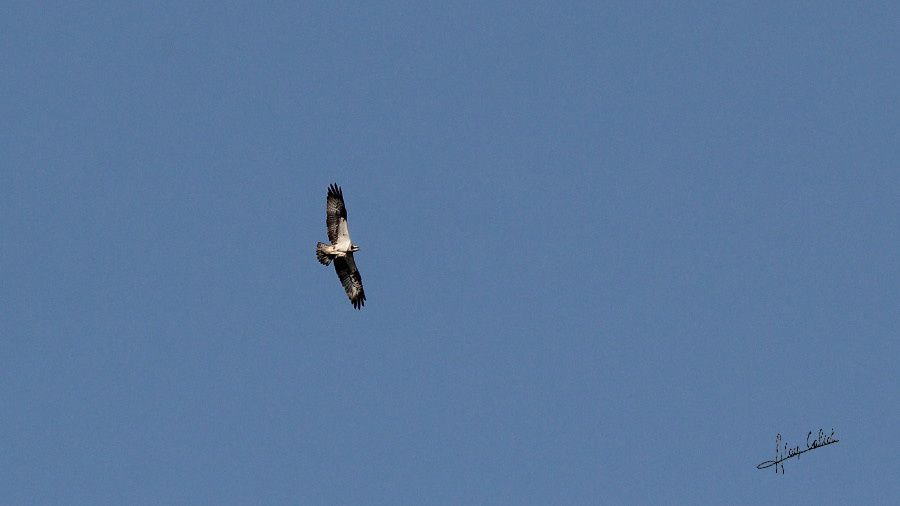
354 247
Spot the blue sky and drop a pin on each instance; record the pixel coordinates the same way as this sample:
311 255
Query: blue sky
610 251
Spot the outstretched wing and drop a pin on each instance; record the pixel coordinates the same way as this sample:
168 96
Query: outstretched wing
336 216
350 278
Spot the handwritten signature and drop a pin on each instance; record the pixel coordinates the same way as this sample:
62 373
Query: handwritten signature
785 453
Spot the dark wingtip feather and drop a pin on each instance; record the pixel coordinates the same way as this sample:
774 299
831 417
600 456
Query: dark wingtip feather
335 191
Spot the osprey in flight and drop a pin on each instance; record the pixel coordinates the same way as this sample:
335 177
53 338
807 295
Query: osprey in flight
341 249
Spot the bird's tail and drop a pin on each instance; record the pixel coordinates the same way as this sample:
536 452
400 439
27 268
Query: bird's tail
321 256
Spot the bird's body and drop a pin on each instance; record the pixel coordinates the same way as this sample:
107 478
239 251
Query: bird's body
341 249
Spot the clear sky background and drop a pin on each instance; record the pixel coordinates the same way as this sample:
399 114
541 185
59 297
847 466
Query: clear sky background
610 251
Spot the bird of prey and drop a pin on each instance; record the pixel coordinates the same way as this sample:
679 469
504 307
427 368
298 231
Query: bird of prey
341 249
